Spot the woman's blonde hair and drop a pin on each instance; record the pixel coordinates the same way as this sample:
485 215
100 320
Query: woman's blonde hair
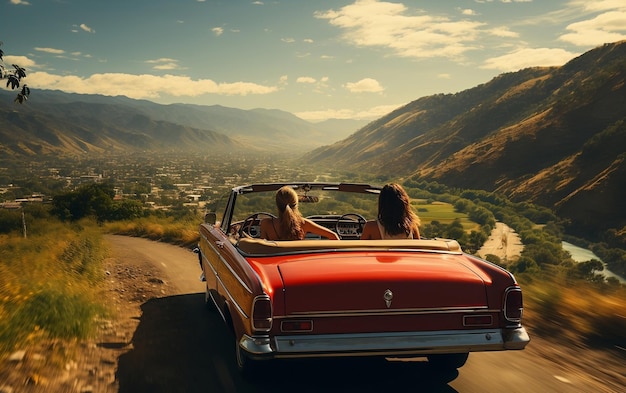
289 217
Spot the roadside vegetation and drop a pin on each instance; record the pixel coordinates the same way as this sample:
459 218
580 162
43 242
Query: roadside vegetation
49 280
51 260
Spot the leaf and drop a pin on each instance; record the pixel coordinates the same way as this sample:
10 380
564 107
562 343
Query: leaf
14 81
20 98
19 71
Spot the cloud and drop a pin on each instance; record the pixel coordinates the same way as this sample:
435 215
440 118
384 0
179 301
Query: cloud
86 28
369 114
288 40
164 63
51 50
503 32
319 85
21 61
144 86
218 31
19 2
367 85
529 57
306 79
606 27
597 5
370 23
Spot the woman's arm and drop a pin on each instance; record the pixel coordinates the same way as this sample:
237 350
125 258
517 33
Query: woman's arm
310 226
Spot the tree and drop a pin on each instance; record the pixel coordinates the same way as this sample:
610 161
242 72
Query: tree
14 78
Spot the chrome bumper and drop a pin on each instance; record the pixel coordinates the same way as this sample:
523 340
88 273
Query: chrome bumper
385 344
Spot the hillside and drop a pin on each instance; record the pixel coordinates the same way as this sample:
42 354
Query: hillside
554 136
62 123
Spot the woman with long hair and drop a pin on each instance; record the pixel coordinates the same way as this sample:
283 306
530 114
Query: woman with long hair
396 219
290 225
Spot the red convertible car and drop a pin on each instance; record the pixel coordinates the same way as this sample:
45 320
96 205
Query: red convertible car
350 297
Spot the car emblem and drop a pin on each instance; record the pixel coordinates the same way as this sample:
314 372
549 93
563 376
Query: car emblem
388 296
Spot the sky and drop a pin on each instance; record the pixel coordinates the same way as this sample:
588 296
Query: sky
318 59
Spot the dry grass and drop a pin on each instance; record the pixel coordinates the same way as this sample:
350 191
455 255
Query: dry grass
49 283
576 312
168 230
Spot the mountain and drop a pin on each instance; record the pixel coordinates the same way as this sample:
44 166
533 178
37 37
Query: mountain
61 123
555 136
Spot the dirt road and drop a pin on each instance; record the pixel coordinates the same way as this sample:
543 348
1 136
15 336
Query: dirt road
162 339
503 242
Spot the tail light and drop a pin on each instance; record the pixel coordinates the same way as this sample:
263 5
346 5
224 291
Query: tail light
262 313
513 306
297 326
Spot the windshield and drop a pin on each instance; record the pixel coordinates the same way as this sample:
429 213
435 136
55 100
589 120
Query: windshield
323 203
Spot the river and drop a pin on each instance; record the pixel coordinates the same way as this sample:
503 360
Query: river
580 254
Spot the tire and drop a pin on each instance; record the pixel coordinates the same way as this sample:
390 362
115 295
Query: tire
447 361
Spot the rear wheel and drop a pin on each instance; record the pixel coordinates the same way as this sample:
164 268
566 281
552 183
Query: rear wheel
447 361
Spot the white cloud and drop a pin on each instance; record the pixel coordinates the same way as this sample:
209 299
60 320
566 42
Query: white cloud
19 2
21 61
367 85
368 114
503 32
306 79
51 50
288 40
597 5
218 31
529 57
144 86
370 23
604 28
86 28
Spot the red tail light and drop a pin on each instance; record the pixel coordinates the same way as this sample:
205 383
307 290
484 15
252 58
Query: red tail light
513 306
297 326
262 313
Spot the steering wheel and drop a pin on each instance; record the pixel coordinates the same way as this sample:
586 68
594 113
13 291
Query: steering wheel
351 218
248 227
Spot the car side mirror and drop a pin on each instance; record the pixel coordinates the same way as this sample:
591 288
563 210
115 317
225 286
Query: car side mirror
210 218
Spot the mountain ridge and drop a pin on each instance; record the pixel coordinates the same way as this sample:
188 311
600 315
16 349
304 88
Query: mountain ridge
121 123
555 136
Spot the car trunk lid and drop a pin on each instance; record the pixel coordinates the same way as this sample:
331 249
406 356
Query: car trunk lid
365 281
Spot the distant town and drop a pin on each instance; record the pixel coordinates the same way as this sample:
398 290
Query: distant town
158 180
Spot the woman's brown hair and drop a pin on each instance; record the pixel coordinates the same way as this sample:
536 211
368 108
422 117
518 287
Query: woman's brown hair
395 213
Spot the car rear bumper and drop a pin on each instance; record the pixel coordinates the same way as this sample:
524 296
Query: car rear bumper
385 344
